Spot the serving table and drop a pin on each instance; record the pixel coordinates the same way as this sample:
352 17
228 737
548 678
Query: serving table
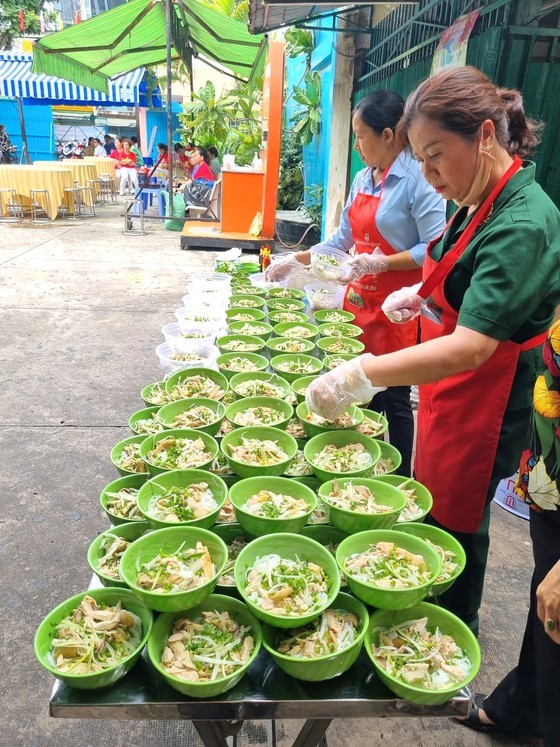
264 693
23 178
102 165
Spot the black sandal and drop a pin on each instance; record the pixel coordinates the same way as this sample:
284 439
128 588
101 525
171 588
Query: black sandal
473 721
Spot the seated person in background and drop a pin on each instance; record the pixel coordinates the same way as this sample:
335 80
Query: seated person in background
109 145
136 150
162 151
182 162
215 165
128 175
200 161
117 151
90 147
98 149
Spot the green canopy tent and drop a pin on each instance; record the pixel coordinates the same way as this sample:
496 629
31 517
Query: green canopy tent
148 32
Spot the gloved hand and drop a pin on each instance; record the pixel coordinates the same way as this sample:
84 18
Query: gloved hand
332 393
281 269
363 264
403 305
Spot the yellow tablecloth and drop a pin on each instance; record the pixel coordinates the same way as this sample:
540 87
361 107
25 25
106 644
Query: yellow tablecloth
81 171
23 179
102 165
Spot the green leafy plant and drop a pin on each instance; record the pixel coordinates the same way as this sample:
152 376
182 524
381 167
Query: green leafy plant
10 23
299 42
237 9
290 186
313 211
307 120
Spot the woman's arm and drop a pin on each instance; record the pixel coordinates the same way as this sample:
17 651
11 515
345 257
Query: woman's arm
548 602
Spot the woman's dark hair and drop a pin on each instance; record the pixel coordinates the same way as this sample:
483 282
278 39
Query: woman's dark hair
213 151
162 146
134 139
380 110
460 99
204 153
90 140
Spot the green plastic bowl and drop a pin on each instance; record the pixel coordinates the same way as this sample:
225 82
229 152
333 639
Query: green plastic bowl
162 630
340 439
344 330
378 418
351 522
295 317
117 450
251 329
179 378
261 376
388 599
134 481
286 442
257 315
311 330
278 361
169 541
291 547
253 343
322 667
285 304
129 532
323 316
224 362
299 386
246 300
181 478
110 596
259 526
314 430
423 498
155 394
228 532
438 617
307 346
352 346
444 540
144 414
387 452
293 293
275 403
328 360
168 413
151 442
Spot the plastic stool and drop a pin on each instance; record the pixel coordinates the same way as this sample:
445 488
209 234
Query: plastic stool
133 208
37 208
13 210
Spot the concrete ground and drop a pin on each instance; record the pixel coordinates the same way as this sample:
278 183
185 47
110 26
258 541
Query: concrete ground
81 311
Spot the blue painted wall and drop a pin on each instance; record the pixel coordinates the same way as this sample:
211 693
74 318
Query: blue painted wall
159 119
315 155
38 126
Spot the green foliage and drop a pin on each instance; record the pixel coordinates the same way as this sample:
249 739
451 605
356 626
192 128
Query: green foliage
237 9
230 121
290 187
9 19
308 118
298 42
314 210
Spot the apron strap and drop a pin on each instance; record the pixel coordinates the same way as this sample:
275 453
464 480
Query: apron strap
534 342
444 267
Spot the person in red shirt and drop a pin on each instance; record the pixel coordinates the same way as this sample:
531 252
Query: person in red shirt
200 161
117 151
128 174
162 151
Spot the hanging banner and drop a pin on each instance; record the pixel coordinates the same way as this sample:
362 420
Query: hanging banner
452 47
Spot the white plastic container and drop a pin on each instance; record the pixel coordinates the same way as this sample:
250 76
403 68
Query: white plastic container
210 280
506 497
178 335
209 296
257 279
198 354
324 295
331 268
208 317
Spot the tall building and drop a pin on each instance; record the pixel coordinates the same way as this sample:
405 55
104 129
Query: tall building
69 9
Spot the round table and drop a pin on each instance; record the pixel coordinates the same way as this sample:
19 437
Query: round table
23 178
102 166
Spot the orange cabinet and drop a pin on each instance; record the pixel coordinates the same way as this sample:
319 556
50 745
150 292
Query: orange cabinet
242 199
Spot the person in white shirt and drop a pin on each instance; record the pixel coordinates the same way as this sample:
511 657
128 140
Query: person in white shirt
99 150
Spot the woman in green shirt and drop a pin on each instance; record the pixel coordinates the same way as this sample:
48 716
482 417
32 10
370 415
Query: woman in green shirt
491 284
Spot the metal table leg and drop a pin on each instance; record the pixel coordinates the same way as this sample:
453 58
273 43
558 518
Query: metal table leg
216 733
313 733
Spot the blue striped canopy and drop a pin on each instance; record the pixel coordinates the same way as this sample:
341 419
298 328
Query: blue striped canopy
17 80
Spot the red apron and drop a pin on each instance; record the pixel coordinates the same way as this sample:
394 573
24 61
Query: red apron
364 297
460 417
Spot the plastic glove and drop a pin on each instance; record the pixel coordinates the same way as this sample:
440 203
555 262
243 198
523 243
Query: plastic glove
403 305
363 264
281 269
332 394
